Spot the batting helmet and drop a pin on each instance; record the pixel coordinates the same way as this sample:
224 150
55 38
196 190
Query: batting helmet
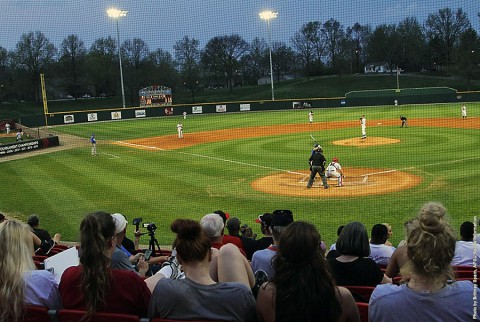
335 159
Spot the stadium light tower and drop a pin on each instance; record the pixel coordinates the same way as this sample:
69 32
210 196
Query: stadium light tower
116 14
269 15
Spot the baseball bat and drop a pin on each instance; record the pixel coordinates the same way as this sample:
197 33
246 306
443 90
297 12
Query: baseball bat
313 138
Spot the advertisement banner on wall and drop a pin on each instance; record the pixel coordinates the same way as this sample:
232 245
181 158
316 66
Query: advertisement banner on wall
92 117
116 115
197 110
220 108
69 118
244 107
140 113
168 110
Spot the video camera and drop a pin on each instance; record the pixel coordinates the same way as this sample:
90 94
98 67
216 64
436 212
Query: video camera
151 227
136 222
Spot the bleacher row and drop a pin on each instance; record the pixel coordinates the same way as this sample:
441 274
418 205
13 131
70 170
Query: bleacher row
361 295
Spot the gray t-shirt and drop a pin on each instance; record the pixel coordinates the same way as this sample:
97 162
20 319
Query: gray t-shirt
394 303
120 261
184 299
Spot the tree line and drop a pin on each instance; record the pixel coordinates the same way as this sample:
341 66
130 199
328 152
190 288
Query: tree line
444 42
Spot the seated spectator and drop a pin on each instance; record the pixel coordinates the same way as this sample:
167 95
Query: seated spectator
463 255
379 251
302 288
93 285
427 296
226 239
399 263
353 267
265 221
47 242
2 218
198 296
212 225
20 282
248 244
121 259
262 259
390 234
332 253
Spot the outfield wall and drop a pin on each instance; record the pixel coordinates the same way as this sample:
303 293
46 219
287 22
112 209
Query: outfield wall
351 99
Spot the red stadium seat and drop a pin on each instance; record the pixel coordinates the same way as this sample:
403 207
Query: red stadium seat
35 313
361 293
463 268
363 310
464 274
65 315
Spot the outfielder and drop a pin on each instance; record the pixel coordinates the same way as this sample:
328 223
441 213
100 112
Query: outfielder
180 130
310 117
334 169
363 124
184 115
94 144
464 112
317 165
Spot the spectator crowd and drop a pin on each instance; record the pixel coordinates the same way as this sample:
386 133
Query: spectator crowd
219 270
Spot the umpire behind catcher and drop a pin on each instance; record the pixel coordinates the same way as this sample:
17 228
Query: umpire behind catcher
317 163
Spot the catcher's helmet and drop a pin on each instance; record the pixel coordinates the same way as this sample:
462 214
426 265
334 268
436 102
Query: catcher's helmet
335 159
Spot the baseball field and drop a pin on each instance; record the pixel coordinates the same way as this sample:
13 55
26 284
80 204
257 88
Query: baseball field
254 162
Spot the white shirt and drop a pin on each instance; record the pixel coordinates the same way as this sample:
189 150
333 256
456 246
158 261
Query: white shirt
334 166
363 121
464 253
381 253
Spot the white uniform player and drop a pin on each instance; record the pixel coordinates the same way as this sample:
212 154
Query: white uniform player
464 112
180 130
184 115
310 117
7 128
363 124
334 169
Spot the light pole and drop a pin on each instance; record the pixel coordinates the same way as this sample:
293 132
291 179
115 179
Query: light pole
268 15
116 14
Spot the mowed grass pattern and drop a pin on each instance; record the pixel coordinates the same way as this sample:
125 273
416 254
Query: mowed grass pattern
160 186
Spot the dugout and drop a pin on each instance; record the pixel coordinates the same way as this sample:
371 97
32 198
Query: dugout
155 96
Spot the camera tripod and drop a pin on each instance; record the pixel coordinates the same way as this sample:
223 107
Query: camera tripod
152 243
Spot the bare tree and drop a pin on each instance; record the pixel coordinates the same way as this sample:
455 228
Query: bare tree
307 42
34 53
358 36
411 45
444 28
255 63
164 68
72 54
283 59
187 56
100 65
222 56
333 35
136 57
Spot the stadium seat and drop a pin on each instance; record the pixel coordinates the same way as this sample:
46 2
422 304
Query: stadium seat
463 268
464 274
35 313
361 293
170 320
397 280
65 315
363 310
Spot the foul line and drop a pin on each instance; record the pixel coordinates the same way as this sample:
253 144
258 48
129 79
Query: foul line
111 155
139 146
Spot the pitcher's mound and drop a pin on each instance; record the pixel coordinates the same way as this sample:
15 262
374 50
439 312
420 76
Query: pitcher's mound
358 182
369 141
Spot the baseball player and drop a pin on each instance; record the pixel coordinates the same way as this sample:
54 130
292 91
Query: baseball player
184 115
7 128
317 165
180 130
19 136
404 120
363 124
334 169
310 117
464 112
94 144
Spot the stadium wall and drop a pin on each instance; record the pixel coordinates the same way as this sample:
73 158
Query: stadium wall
351 99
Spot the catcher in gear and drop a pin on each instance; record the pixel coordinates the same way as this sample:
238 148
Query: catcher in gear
334 169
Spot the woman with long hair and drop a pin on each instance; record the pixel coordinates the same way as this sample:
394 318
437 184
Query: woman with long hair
93 285
20 282
429 295
198 296
302 288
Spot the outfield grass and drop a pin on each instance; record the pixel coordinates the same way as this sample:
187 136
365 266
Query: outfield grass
162 185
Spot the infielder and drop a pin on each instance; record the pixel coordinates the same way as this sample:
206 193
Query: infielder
310 117
184 115
334 169
464 112
404 120
363 124
180 130
317 165
94 144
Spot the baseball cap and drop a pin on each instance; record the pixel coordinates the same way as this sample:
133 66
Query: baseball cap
282 218
265 219
222 214
120 222
233 224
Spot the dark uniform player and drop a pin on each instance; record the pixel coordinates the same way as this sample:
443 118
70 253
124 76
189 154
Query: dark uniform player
317 165
404 121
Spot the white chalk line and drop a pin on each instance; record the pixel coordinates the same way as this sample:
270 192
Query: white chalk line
294 172
111 155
